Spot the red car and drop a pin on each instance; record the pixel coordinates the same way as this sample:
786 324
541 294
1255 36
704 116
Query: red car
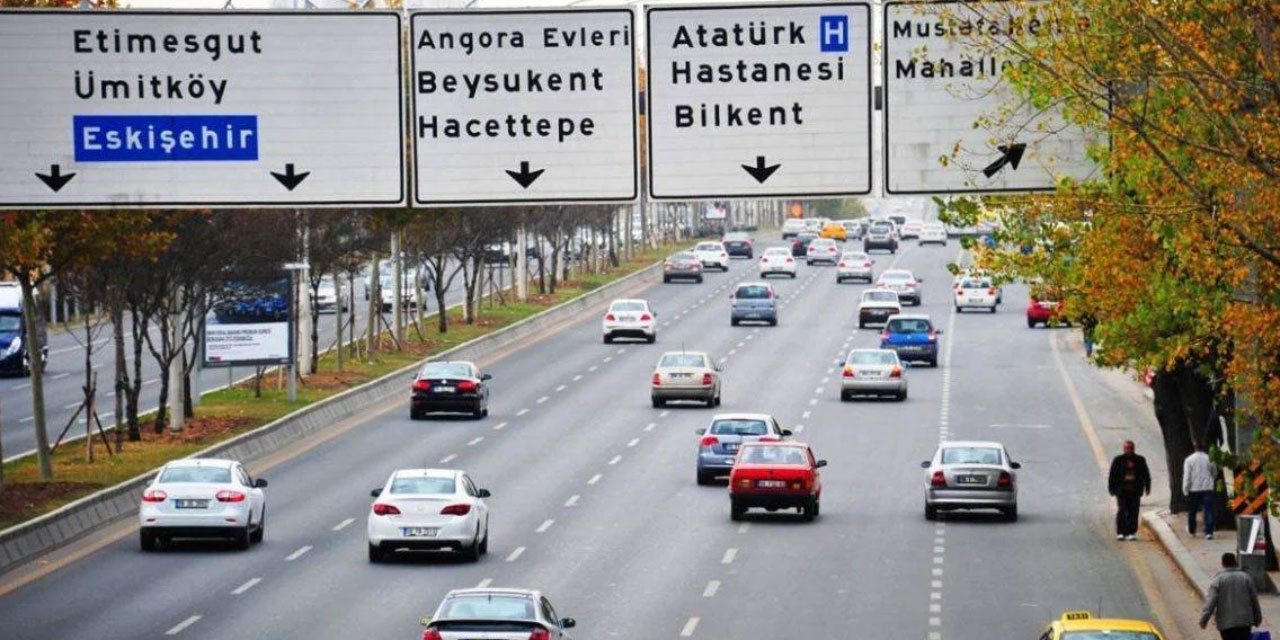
775 475
1042 312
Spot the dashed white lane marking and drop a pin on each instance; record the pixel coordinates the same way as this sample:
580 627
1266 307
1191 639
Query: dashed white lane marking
499 426
664 413
813 401
27 419
934 635
65 374
723 360
178 628
935 584
521 412
937 571
650 426
634 442
607 359
475 441
615 459
689 626
826 380
939 549
806 414
449 458
484 584
935 608
561 388
342 525
729 555
71 405
937 559
572 501
546 524
935 622
621 351
732 351
592 367
24 385
712 588
246 586
577 377
594 479
742 344
935 595
543 399
297 554
515 554
818 390
797 429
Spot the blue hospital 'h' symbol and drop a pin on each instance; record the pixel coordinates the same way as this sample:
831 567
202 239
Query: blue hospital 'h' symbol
833 31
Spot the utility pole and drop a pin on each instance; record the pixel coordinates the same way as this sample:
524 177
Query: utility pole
303 296
337 313
176 418
521 276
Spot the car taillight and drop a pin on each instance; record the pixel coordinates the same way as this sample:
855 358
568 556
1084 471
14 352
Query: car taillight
657 379
421 385
911 283
831 249
933 336
611 318
709 441
1005 481
841 264
645 317
991 291
884 337
849 373
456 510
895 372
789 260
154 495
382 509
706 379
431 634
668 264
744 482
226 495
938 480
866 264
539 634
467 385
959 293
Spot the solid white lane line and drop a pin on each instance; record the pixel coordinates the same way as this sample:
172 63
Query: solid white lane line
515 554
449 458
342 525
650 426
560 388
543 399
615 460
297 554
711 589
546 524
177 628
577 377
521 412
572 501
729 555
594 479
664 413
484 584
689 626
634 442
246 586
499 426
475 441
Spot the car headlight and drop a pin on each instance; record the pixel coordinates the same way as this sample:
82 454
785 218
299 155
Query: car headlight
13 347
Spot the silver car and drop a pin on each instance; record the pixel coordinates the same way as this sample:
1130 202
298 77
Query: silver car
685 375
873 372
719 443
854 265
971 475
496 614
682 265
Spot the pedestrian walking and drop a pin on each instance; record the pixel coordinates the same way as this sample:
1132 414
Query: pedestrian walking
1232 602
1128 481
1198 478
1088 324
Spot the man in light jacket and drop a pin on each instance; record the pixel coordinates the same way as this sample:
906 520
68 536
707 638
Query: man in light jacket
1198 477
1232 601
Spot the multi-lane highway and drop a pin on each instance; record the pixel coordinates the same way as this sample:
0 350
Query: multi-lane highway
595 502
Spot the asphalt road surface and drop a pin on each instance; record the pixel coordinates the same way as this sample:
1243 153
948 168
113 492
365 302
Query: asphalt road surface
594 499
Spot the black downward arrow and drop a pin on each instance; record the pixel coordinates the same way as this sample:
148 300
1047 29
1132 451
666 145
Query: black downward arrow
524 177
55 180
289 179
760 172
1010 155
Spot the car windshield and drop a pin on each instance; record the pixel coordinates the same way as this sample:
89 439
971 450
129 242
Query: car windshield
10 322
447 370
882 228
970 455
683 360
872 357
909 325
631 305
1108 635
739 428
489 606
880 296
422 484
209 475
752 292
708 246
774 455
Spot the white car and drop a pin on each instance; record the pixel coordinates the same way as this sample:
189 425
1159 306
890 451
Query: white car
496 614
904 283
326 299
976 273
793 227
854 265
911 229
429 509
712 255
877 306
975 293
822 250
630 319
932 232
202 498
777 261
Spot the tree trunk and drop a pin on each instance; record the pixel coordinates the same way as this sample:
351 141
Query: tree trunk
34 345
315 325
134 391
1183 406
121 374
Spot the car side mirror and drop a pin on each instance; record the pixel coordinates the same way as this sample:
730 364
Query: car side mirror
925 464
702 432
819 464
1015 465
919 279
483 493
260 483
568 623
938 331
873 261
786 433
906 364
486 376
375 493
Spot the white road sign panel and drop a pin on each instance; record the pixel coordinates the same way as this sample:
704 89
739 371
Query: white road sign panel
951 124
152 108
523 107
759 100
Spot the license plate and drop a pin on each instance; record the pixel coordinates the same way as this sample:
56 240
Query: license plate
730 446
682 375
971 480
419 532
753 315
444 389
871 374
190 504
626 318
771 484
975 301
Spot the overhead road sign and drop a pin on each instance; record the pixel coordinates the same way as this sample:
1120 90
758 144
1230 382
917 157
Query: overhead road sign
952 125
759 100
194 108
524 107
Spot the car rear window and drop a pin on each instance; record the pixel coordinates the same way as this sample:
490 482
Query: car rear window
882 227
774 455
753 292
490 606
777 252
446 370
975 284
424 485
970 455
709 246
909 325
627 306
739 428
207 475
895 275
735 237
683 360
807 236
855 257
683 255
880 296
1108 635
872 357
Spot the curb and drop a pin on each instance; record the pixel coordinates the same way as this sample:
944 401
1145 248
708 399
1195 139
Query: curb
29 540
1174 547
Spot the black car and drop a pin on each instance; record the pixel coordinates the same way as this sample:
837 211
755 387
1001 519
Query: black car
800 244
456 387
738 244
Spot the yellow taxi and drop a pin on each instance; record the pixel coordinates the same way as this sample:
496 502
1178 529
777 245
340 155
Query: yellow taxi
1081 625
834 231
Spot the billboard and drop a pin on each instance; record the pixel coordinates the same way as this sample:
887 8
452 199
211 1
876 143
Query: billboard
250 325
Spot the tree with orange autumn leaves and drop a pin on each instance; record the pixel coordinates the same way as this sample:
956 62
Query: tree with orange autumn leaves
1175 251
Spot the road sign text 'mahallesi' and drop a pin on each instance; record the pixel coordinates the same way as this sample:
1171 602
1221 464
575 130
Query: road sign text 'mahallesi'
956 27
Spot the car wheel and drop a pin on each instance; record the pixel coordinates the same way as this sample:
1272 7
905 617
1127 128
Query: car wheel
1011 514
817 507
930 512
703 479
651 339
244 538
484 412
608 340
666 280
147 540
773 322
658 403
845 397
416 415
933 362
478 413
958 309
375 553
471 552
793 276
902 395
1031 324
733 322
736 511
992 309
809 511
699 280
484 544
261 532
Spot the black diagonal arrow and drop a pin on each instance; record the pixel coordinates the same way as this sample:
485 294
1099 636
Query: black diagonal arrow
289 179
1010 155
760 172
524 177
55 180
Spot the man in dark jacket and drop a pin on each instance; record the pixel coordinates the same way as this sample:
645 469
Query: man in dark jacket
1128 481
1233 601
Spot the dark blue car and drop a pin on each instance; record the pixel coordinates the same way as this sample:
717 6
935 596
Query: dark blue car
913 337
